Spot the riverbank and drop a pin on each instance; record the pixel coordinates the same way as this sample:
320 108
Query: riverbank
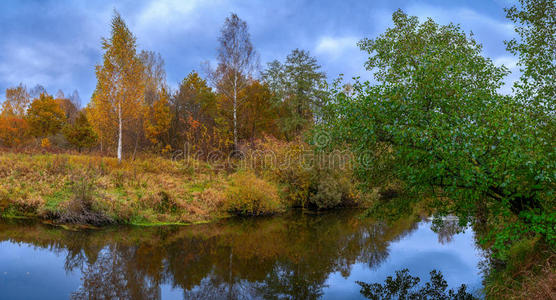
96 190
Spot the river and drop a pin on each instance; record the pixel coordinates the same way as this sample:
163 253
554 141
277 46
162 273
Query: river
296 255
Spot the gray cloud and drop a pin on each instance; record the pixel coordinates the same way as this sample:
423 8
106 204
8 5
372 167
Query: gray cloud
57 43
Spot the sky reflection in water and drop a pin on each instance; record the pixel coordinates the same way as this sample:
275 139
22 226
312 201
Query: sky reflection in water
296 255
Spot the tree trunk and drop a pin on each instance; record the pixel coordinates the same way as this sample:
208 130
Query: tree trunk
235 112
120 132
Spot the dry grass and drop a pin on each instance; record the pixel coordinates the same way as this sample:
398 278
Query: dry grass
531 274
149 190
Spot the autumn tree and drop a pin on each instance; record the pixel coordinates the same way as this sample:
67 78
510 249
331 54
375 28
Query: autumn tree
258 117
297 90
158 119
155 105
13 130
80 133
196 115
17 101
119 92
69 108
236 61
45 116
154 75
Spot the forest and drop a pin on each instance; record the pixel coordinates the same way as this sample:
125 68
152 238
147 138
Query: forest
431 135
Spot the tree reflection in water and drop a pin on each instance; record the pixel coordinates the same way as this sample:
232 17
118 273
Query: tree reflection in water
282 257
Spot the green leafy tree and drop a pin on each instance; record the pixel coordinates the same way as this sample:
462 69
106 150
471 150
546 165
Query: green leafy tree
297 88
435 121
535 47
80 134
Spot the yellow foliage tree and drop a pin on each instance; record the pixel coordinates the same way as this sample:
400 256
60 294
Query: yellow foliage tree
119 92
158 119
45 116
17 100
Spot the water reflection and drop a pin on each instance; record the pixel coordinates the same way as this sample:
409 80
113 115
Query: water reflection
292 256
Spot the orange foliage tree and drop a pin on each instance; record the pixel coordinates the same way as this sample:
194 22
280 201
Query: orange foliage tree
13 130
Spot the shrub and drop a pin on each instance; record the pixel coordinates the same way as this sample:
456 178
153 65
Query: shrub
311 179
45 143
80 209
248 195
330 188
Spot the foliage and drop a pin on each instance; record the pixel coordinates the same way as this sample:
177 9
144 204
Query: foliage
45 143
307 178
236 60
403 287
248 195
297 90
120 86
158 119
80 134
17 100
257 117
13 130
446 129
536 27
195 117
45 116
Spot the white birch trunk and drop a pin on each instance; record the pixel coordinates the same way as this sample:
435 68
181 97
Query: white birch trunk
235 112
120 132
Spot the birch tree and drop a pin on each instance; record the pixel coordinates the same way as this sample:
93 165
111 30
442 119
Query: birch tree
236 61
120 85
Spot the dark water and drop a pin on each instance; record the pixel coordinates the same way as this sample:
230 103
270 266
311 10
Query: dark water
296 256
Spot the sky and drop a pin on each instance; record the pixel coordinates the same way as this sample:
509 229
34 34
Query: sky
58 43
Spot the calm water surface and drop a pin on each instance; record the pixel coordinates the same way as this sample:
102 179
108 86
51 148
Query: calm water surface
299 256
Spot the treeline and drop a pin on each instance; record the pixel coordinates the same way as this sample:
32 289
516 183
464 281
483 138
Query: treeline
133 108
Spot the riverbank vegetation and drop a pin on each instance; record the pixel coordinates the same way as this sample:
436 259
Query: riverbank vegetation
433 125
446 131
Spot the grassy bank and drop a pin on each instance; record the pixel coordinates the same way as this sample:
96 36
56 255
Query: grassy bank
88 189
93 189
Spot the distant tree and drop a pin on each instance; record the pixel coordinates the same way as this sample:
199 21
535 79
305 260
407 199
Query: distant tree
236 61
17 101
258 116
158 119
297 89
80 133
36 91
155 75
120 85
75 99
155 88
194 97
69 108
45 116
196 116
14 130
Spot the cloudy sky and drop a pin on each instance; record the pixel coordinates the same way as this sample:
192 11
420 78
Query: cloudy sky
57 43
